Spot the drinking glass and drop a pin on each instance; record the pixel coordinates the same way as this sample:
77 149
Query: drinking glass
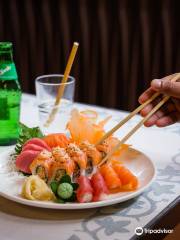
46 91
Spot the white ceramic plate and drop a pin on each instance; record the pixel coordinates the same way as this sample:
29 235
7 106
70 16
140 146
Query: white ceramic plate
140 164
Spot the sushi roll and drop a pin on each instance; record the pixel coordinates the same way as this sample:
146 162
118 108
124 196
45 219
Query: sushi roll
129 181
99 187
41 165
109 144
85 191
110 176
60 155
93 156
57 171
79 158
63 159
104 148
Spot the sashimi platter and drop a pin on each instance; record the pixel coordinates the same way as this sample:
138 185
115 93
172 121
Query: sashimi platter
65 171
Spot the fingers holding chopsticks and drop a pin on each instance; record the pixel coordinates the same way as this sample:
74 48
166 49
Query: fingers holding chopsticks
167 114
163 111
169 119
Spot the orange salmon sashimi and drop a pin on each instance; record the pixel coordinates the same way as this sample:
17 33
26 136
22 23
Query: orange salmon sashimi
129 181
113 161
82 128
110 177
56 140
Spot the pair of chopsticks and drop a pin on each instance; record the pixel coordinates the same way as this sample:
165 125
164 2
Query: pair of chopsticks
126 137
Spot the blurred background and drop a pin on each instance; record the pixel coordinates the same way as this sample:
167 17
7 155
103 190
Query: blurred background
123 44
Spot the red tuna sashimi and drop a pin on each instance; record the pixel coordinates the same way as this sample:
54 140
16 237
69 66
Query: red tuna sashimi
33 147
39 142
85 190
99 187
24 159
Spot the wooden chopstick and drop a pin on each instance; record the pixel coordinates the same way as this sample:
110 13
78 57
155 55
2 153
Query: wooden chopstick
62 87
133 113
126 137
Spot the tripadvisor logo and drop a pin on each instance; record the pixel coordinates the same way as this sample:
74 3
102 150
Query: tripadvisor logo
139 231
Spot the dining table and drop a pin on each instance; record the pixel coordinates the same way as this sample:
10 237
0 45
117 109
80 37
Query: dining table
118 221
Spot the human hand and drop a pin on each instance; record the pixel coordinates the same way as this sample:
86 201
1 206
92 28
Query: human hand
169 113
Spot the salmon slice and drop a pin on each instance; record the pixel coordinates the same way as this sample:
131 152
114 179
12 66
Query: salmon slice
56 140
111 178
128 179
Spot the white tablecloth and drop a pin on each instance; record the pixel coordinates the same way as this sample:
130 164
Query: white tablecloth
18 222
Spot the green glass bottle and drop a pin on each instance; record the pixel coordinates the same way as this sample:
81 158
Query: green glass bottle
10 96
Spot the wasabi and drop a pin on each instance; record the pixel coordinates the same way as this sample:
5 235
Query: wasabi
65 190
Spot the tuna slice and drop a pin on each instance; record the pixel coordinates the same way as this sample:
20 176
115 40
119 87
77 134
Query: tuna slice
39 142
85 190
33 147
99 186
24 160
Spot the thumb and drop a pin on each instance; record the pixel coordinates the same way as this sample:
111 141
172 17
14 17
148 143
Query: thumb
166 87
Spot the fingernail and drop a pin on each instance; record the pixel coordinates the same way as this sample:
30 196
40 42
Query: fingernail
156 83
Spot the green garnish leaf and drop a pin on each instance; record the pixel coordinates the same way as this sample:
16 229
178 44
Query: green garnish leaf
64 189
54 186
25 134
65 179
75 186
